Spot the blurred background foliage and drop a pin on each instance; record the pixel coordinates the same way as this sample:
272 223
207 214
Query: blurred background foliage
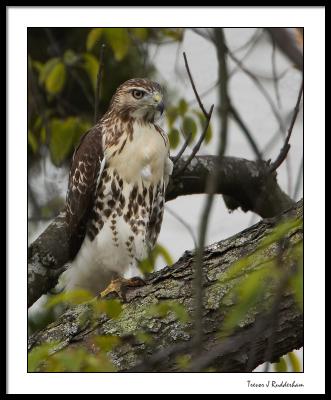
63 67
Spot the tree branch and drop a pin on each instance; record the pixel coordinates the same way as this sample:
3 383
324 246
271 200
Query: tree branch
286 147
223 77
246 184
99 79
197 145
206 114
286 43
170 337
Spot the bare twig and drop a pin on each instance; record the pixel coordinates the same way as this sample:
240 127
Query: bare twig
275 82
286 147
38 100
280 76
194 88
203 94
270 101
286 43
248 52
274 74
99 79
211 187
181 151
275 136
261 88
198 272
298 180
226 105
198 144
204 132
223 89
72 72
184 223
252 40
201 33
235 115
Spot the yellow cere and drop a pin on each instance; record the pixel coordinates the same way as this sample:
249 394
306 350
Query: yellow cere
157 97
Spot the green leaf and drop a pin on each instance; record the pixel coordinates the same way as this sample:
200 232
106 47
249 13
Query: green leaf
37 124
47 68
182 106
56 78
43 134
67 360
296 283
143 337
162 309
118 39
172 114
93 37
64 135
73 297
174 138
209 134
107 342
46 212
236 269
280 231
183 361
38 355
248 293
112 308
148 264
38 66
33 142
176 34
140 33
91 65
70 58
280 366
162 251
202 120
260 256
189 126
99 363
294 362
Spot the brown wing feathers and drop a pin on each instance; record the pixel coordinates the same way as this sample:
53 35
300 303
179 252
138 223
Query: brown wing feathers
83 177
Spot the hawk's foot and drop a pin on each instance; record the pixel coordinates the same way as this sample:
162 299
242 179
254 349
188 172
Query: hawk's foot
118 287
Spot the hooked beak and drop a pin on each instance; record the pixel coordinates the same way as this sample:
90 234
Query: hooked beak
159 102
160 107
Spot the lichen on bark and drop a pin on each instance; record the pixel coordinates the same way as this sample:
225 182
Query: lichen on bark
174 284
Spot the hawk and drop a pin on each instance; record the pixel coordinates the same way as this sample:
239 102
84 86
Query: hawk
116 190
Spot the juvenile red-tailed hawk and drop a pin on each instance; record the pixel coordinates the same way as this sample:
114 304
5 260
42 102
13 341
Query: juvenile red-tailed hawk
115 199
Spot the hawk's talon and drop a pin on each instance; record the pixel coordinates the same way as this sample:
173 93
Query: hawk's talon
136 281
118 287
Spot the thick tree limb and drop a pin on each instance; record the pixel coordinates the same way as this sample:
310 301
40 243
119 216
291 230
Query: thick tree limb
286 43
171 337
245 184
248 184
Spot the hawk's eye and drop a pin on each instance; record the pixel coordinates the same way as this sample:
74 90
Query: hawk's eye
138 94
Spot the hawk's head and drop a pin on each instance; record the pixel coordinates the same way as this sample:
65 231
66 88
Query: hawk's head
138 99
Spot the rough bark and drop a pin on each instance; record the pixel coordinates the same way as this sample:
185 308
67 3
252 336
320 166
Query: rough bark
170 336
243 183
